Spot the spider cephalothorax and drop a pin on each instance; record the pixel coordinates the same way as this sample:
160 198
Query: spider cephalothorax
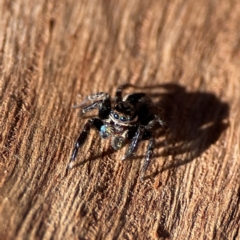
132 119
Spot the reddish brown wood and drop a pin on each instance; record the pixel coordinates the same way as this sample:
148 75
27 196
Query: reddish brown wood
185 53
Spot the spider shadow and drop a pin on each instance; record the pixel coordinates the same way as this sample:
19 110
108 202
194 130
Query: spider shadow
195 121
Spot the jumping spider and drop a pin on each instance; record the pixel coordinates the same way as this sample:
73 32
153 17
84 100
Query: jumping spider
132 119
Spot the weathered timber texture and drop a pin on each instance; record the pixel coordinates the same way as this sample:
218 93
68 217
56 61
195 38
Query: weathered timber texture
185 54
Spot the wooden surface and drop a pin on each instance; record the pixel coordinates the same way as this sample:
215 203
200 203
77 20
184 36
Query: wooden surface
185 54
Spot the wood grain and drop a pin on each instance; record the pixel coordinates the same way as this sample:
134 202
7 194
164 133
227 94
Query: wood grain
185 54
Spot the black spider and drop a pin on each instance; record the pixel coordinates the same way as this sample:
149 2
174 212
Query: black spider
133 118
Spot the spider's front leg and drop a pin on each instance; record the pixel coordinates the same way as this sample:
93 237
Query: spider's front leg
97 123
141 134
149 154
135 140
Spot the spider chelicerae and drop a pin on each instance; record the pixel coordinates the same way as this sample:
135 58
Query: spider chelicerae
133 118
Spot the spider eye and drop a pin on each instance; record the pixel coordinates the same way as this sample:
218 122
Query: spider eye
115 115
123 119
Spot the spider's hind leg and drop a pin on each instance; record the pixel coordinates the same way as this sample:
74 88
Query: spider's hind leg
93 101
118 95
